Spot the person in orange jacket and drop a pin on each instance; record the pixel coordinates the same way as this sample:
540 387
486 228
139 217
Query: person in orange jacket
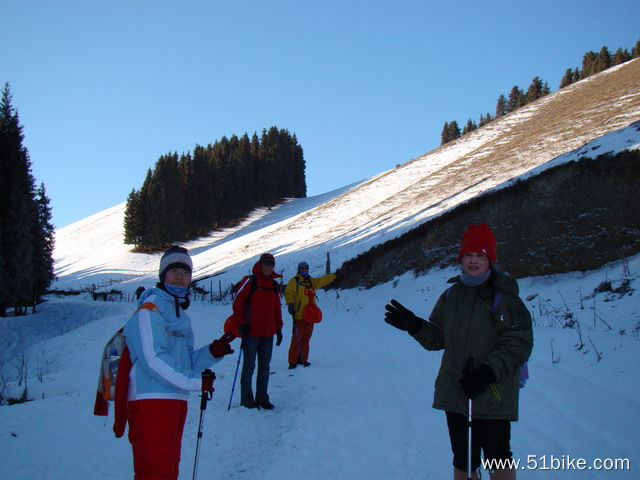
300 295
258 305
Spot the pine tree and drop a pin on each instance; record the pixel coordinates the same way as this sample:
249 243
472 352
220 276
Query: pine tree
588 64
577 75
133 220
469 127
535 90
621 56
215 187
516 99
43 235
444 135
26 235
567 78
635 51
484 120
501 107
603 61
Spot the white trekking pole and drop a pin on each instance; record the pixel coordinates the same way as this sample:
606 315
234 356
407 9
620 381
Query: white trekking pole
468 368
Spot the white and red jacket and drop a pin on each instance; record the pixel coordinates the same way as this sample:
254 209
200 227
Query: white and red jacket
160 341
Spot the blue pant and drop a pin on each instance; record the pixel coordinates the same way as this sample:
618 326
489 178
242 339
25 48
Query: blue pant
262 348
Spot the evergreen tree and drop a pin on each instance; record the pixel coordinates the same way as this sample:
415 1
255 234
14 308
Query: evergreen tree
469 127
501 107
215 187
516 99
485 119
26 235
635 51
577 75
603 60
444 134
588 64
132 220
43 235
621 56
567 78
535 90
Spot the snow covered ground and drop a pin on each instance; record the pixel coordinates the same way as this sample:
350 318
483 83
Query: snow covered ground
362 410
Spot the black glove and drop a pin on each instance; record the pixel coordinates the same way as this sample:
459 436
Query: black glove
243 330
278 337
291 308
476 381
402 318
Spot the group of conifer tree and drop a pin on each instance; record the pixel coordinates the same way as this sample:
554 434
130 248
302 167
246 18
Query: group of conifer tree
592 63
26 232
190 195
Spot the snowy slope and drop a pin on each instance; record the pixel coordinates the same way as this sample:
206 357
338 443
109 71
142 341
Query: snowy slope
362 410
348 221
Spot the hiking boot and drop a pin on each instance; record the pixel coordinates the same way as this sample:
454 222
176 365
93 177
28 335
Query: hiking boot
306 364
250 405
266 405
292 366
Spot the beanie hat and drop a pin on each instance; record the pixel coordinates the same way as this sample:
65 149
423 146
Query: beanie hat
267 259
303 265
480 239
175 257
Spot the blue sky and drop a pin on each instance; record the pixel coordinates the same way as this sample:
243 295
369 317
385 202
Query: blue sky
105 88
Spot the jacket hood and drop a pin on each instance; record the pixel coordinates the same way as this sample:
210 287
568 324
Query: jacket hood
257 270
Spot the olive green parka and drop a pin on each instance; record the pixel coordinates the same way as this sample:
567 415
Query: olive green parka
463 325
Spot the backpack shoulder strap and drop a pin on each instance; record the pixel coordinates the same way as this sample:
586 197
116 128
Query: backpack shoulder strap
497 299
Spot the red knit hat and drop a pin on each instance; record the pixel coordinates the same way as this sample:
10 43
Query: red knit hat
480 239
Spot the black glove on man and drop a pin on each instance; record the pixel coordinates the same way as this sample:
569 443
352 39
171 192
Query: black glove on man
402 318
291 309
278 337
476 381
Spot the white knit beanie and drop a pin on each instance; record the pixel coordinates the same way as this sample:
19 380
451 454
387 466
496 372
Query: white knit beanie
175 257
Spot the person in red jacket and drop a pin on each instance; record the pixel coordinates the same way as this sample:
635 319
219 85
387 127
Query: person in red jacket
257 303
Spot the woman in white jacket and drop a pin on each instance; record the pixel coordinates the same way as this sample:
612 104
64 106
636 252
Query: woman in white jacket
165 368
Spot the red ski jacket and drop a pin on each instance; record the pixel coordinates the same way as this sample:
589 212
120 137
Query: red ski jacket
262 310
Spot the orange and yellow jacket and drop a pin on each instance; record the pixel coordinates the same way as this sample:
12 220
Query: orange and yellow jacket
300 291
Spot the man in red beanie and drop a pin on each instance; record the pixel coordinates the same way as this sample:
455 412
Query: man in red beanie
484 346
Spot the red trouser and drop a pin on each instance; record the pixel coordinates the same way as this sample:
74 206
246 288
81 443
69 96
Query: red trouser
300 342
155 433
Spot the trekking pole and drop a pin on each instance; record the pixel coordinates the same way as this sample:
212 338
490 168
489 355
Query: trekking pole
233 387
469 368
207 377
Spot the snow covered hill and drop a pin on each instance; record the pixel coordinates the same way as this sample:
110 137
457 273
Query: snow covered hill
362 410
346 222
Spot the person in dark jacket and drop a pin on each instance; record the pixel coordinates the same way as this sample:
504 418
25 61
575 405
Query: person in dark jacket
483 352
258 305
